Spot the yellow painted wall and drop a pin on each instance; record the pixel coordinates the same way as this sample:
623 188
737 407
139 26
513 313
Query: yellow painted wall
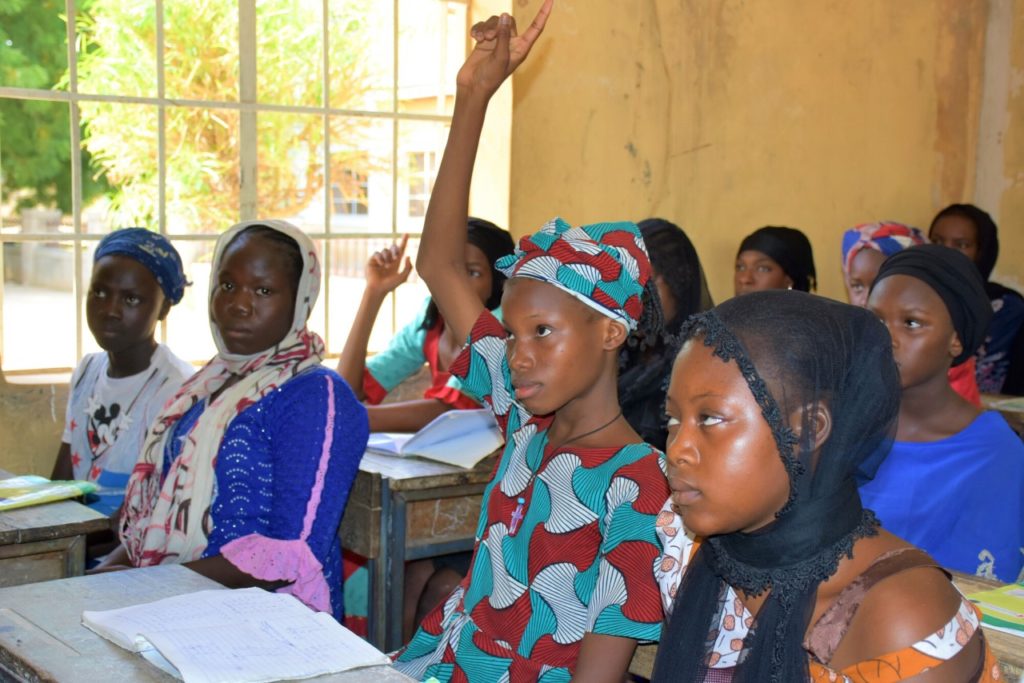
725 115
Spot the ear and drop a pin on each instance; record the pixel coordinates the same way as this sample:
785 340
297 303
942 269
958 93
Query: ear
165 308
956 347
614 335
789 282
818 419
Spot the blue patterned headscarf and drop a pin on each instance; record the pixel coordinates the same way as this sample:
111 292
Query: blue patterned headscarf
152 250
604 265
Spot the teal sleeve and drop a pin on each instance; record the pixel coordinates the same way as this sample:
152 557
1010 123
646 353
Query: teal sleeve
403 355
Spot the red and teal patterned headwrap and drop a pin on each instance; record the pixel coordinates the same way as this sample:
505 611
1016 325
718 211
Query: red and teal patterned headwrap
604 265
887 237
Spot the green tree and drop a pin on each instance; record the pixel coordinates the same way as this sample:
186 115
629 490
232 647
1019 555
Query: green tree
35 138
118 38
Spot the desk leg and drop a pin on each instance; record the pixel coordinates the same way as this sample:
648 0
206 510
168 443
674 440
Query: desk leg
394 591
378 589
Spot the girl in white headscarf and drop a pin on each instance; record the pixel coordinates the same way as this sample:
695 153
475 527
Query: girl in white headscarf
245 473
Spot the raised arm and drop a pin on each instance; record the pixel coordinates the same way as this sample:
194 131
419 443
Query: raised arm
498 51
385 271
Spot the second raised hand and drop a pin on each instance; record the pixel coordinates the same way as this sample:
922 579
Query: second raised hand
385 270
499 50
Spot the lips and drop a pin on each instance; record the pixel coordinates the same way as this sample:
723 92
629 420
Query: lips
525 390
683 493
236 332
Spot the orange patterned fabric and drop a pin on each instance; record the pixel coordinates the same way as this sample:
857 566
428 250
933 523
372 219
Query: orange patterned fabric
906 663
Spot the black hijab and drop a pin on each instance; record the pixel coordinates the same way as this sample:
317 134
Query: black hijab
788 247
957 282
794 350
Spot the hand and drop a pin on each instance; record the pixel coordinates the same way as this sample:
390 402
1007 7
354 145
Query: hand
499 50
383 273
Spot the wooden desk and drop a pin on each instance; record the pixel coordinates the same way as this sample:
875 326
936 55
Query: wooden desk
42 638
44 542
1009 650
408 509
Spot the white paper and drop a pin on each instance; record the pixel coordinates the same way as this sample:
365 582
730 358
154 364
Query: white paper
243 636
457 437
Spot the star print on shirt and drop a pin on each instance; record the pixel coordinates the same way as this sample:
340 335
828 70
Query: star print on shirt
76 459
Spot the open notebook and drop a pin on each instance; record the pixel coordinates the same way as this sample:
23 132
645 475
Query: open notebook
458 437
235 636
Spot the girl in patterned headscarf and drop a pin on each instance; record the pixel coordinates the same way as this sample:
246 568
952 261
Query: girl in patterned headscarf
115 394
561 580
773 571
244 475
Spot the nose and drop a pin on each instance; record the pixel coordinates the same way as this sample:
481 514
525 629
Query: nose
680 451
519 356
109 308
240 304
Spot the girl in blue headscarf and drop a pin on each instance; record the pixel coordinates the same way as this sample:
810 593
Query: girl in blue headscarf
137 276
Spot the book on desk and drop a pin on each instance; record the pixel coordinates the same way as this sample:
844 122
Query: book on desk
235 636
458 437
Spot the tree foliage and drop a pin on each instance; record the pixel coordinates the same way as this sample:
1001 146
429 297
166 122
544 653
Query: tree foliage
201 58
35 136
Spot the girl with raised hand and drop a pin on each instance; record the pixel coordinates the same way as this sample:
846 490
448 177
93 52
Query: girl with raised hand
774 257
561 584
245 473
773 572
425 339
1000 358
115 394
864 249
954 481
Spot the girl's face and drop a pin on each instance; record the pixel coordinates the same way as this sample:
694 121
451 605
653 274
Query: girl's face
724 469
254 303
863 271
124 303
756 271
956 232
480 272
555 344
924 342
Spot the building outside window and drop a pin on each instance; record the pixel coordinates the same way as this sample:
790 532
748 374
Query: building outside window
186 117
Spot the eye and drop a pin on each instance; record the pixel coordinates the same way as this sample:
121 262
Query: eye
132 300
543 330
97 293
740 267
764 269
672 422
474 273
263 291
226 286
856 287
912 323
709 420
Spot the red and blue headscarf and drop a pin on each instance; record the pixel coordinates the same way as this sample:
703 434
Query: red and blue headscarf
604 265
886 237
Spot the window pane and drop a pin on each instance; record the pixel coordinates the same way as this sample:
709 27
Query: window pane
188 326
33 44
39 306
203 172
117 48
318 318
361 56
361 184
201 49
409 299
127 162
290 176
289 51
35 149
420 145
432 38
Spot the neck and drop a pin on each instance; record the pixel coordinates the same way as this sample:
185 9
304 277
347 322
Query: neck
594 408
928 407
131 361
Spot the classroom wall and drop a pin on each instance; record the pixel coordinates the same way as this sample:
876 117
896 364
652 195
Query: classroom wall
724 116
31 422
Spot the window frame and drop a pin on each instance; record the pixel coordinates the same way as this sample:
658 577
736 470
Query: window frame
247 107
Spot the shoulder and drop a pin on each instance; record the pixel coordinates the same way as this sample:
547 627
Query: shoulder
90 366
173 366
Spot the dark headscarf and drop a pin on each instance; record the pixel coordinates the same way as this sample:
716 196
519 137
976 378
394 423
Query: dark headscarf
794 350
957 282
788 247
152 250
645 362
495 243
985 234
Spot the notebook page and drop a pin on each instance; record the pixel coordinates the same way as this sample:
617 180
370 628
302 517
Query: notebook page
267 649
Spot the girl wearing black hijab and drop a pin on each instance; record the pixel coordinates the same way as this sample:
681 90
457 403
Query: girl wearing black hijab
1000 359
774 258
953 483
772 570
645 361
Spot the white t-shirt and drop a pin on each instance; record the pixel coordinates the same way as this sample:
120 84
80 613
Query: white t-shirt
107 417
